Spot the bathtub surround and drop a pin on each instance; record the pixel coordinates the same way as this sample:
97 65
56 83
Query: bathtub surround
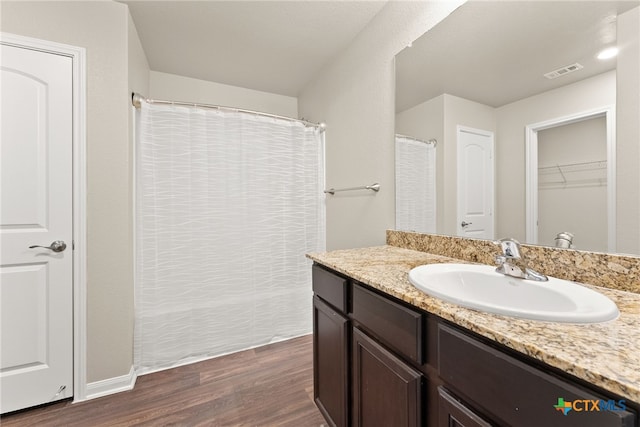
227 204
621 272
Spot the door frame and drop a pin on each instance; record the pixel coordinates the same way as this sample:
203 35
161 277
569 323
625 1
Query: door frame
79 191
531 183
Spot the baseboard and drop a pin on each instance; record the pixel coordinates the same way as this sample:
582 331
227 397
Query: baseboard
111 385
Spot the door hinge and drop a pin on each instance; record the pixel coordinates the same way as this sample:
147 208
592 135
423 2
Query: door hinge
73 245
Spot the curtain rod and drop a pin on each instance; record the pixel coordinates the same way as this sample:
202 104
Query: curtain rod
432 141
136 100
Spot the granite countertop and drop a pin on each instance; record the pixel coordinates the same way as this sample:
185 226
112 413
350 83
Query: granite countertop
604 354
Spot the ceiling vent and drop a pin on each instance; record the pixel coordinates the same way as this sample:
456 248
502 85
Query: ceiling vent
564 70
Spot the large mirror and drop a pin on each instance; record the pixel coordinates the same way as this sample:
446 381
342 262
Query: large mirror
526 132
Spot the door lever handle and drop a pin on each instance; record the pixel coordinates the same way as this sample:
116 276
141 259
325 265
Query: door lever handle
465 223
56 246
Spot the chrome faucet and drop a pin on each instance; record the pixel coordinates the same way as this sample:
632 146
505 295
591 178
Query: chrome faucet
511 263
564 240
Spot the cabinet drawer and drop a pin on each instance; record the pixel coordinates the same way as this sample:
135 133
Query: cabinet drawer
330 287
394 324
515 393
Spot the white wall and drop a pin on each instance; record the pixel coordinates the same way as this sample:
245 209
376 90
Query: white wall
354 95
102 28
179 88
511 119
628 133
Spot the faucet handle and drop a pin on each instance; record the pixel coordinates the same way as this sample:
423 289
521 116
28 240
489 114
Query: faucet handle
510 248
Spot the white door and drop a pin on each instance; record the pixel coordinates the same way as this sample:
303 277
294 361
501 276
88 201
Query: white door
36 330
475 183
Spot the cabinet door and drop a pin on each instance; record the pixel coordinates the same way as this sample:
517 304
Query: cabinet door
330 363
452 413
386 391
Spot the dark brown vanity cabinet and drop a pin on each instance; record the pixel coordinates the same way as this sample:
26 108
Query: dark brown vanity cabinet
364 349
379 361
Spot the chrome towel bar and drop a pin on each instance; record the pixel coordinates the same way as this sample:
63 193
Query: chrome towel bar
374 187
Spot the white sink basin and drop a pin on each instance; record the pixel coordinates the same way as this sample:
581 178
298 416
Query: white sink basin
481 288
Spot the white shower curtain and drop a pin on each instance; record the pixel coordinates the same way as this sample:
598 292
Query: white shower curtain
227 204
415 185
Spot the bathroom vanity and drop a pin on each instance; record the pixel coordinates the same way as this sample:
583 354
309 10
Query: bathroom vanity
386 354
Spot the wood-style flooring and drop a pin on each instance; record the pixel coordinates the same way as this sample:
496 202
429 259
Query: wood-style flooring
266 386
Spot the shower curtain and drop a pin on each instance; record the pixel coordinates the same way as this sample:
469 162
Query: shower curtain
415 185
227 204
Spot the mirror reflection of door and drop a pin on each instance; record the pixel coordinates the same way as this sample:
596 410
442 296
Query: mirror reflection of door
572 183
475 186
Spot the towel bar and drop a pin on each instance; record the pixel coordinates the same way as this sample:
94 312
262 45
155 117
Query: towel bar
374 187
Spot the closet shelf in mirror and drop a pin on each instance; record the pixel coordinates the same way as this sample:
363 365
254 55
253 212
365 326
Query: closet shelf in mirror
583 174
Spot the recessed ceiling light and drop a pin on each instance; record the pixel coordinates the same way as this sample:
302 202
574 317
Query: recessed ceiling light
608 53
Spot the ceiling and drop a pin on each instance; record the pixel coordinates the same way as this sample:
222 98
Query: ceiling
496 52
271 46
